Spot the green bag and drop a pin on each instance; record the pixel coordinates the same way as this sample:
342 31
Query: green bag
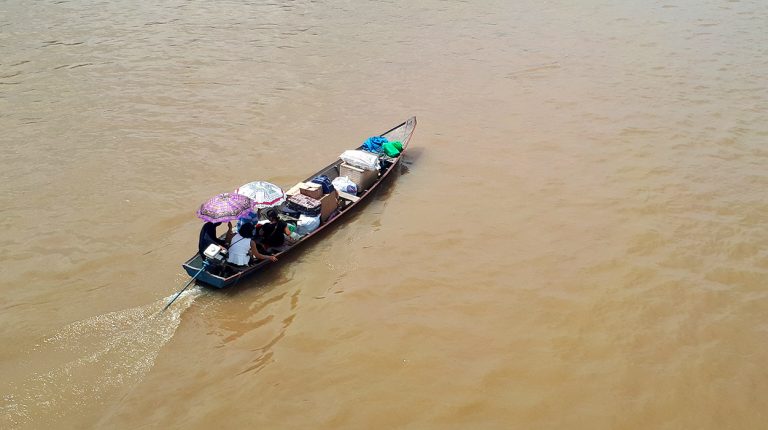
392 149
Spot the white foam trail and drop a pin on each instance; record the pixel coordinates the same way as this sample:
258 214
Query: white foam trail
112 352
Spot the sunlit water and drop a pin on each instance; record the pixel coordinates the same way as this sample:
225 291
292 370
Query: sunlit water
95 359
576 240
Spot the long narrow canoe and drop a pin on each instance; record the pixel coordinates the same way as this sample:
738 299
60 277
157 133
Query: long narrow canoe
346 203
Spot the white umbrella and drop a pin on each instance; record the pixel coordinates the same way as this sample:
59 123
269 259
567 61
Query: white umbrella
264 194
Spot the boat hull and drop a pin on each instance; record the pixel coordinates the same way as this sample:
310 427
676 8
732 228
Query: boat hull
233 275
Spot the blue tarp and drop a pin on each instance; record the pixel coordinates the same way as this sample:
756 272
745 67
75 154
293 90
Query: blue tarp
373 144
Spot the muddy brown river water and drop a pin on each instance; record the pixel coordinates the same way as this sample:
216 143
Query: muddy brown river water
577 238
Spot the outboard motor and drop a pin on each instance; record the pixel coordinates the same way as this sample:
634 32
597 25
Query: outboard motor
215 259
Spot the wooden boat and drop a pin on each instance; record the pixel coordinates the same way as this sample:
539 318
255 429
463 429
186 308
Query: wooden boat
345 203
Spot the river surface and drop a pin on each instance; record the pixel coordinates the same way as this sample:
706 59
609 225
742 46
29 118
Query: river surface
577 239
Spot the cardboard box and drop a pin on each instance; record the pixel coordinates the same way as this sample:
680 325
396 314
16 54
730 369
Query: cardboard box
294 190
328 204
310 189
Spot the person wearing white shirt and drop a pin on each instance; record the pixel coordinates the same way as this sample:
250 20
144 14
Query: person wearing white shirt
241 247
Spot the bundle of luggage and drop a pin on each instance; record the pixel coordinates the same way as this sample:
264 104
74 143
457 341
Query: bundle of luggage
311 203
316 201
382 146
361 167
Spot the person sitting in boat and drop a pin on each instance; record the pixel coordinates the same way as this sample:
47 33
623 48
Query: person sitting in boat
208 236
251 217
243 248
272 234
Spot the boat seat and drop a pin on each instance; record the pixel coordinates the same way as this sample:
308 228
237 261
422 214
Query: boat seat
346 196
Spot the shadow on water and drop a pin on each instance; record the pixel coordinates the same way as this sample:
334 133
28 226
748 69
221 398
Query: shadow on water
410 158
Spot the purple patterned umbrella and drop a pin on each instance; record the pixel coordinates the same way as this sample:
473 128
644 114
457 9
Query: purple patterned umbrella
225 207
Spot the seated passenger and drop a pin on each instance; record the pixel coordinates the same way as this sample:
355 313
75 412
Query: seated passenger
243 248
208 236
272 234
251 217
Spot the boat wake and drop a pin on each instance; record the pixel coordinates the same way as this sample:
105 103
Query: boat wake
95 358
